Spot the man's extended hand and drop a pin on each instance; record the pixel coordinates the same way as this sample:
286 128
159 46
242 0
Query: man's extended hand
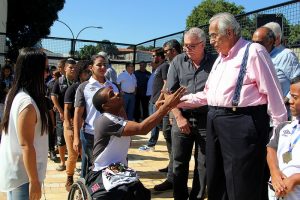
171 100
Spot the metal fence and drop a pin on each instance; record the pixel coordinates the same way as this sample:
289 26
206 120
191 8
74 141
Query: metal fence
288 11
120 53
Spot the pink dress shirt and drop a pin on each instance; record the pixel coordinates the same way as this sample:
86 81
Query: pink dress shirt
260 85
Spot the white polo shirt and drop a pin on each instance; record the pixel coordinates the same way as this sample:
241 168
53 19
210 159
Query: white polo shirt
281 141
127 81
84 98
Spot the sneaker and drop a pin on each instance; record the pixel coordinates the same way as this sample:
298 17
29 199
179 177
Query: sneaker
69 183
61 168
165 170
166 185
146 148
53 156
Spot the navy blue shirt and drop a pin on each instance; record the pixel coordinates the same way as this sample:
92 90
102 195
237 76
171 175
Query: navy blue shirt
142 80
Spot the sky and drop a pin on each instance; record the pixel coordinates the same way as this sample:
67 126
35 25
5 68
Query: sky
132 21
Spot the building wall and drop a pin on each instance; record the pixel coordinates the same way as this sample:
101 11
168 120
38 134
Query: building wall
3 19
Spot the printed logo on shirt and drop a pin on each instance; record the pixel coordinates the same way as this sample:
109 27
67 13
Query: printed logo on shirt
286 133
93 89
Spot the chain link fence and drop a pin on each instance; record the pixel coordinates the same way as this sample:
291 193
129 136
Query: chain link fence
288 14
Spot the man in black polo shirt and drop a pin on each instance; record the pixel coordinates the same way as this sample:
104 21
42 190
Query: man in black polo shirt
160 78
57 96
69 100
171 49
191 70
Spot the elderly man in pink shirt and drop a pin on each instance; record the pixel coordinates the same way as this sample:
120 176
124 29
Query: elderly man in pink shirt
242 92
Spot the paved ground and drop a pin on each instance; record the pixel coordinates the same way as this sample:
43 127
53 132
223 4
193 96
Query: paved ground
146 163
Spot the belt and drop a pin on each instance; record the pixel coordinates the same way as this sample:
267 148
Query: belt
248 109
129 93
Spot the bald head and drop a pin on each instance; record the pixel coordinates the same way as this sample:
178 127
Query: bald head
265 37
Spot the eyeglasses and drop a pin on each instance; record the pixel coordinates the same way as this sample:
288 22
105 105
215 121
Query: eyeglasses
191 46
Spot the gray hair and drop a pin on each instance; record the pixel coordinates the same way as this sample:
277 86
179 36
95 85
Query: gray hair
275 27
196 32
226 20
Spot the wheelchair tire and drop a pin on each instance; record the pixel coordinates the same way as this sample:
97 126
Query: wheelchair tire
78 191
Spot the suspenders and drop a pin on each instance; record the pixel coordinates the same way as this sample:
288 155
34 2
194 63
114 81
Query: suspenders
239 83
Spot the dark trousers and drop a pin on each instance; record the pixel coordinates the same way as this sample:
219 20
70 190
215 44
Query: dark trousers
166 128
182 146
236 152
60 138
52 140
141 110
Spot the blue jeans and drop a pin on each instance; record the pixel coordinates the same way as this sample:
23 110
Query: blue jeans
20 193
129 100
155 131
87 141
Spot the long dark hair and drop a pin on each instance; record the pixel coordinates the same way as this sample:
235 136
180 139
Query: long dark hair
29 75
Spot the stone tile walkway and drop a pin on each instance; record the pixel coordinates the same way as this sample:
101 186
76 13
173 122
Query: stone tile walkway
146 164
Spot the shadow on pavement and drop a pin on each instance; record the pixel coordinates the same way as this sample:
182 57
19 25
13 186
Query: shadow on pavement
132 157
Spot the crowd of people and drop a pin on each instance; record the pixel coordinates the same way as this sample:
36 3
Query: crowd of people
231 108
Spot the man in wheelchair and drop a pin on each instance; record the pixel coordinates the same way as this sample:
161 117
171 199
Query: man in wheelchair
110 177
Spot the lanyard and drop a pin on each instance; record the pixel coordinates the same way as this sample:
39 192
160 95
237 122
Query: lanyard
69 82
292 145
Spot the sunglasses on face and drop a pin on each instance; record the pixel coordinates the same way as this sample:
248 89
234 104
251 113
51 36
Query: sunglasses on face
191 46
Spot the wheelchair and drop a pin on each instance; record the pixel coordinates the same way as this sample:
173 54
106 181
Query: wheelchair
131 191
79 191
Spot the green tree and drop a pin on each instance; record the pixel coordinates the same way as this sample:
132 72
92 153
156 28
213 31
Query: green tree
294 36
108 47
29 21
207 8
88 50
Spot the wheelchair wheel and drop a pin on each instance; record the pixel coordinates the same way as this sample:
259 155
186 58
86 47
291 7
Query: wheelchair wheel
78 191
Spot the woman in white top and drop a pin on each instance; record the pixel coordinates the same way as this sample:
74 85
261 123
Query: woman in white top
24 128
